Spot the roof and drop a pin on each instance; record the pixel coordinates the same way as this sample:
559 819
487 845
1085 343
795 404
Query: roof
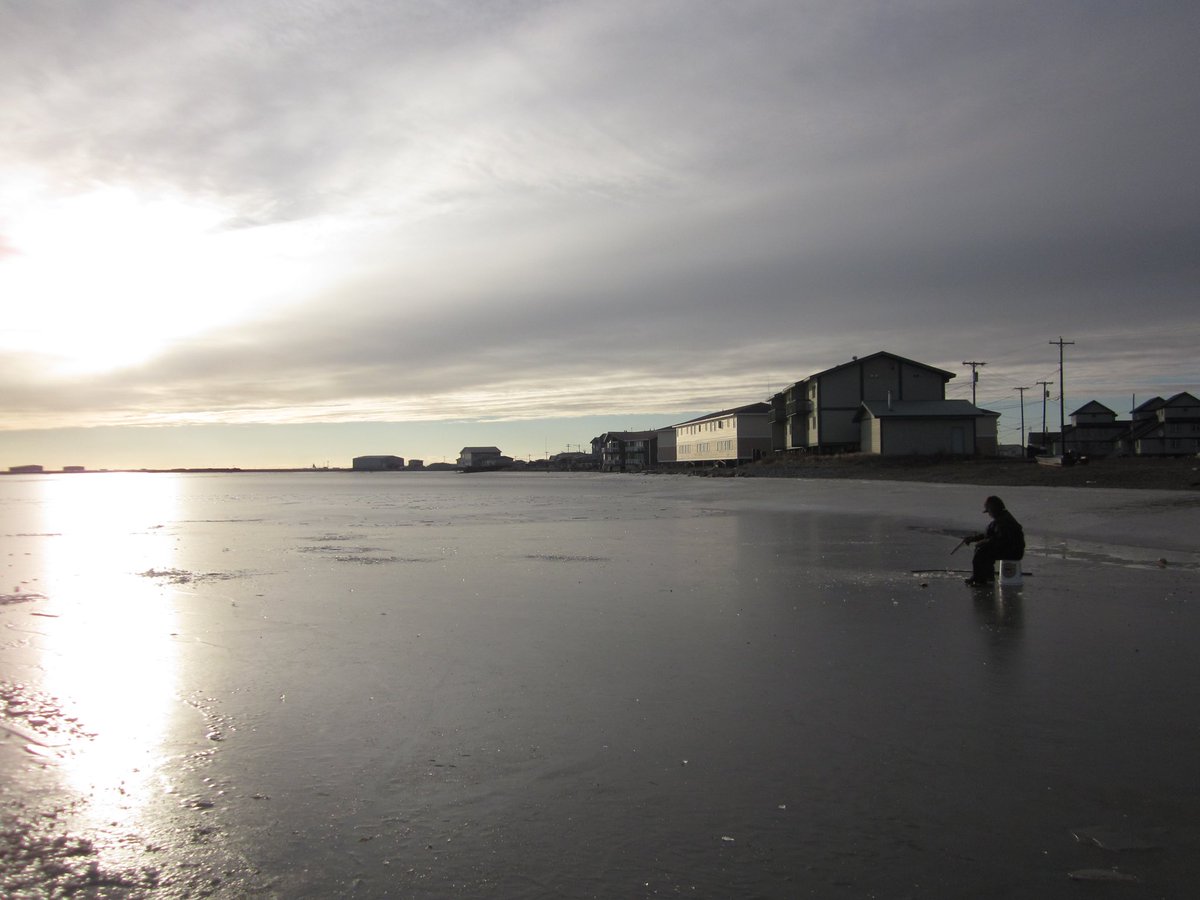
1182 399
922 409
1144 424
748 409
1093 406
630 435
480 450
862 359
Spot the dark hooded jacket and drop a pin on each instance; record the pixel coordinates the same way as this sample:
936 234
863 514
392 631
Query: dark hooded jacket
1005 539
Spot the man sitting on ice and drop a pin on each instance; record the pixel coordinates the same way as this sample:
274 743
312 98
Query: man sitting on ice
1004 539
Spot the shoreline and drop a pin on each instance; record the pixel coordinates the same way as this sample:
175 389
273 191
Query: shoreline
1144 473
1163 473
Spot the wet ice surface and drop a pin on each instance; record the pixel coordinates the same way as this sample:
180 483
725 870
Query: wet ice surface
509 685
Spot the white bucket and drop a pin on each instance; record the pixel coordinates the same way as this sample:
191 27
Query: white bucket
1010 572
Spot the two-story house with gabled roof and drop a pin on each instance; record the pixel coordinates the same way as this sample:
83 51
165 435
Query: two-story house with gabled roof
1095 430
478 459
830 411
1166 427
632 451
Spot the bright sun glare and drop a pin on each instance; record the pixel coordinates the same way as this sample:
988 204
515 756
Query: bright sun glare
109 656
112 277
93 276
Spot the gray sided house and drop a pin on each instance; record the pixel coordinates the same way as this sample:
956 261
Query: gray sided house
1157 427
667 452
632 451
477 458
1166 427
728 437
573 461
926 427
1095 430
821 413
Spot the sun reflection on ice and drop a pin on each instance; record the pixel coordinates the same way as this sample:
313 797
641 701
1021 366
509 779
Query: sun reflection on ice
108 653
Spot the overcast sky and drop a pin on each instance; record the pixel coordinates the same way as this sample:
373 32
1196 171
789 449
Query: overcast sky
412 211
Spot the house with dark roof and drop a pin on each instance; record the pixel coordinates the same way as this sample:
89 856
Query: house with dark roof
1148 410
851 407
1094 431
1165 427
1157 427
728 437
475 459
632 451
377 463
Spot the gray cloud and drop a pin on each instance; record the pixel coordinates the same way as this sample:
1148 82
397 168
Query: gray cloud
599 207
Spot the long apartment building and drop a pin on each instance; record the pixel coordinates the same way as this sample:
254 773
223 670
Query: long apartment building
730 436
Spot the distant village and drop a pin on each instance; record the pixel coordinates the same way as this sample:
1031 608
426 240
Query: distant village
880 404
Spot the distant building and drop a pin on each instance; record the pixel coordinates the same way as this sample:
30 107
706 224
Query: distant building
74 469
729 437
1165 427
476 458
573 460
1157 427
378 463
632 451
415 465
1095 430
26 470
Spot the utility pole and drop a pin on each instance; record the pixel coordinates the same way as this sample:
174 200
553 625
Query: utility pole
1045 396
1021 391
974 376
1062 395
